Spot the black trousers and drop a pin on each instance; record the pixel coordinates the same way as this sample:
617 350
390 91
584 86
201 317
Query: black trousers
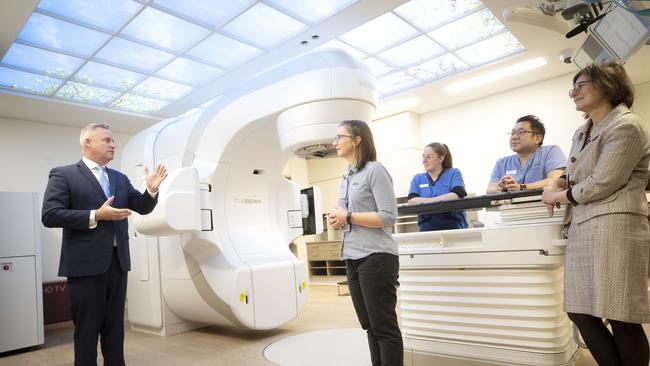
97 306
373 287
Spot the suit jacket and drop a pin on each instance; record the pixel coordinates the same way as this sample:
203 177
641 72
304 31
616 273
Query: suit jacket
72 191
610 174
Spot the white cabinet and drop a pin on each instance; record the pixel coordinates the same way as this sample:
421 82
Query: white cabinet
21 289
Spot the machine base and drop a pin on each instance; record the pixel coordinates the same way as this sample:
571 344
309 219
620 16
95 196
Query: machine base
424 353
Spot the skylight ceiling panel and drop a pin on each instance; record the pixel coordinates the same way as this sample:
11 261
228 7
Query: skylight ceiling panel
262 25
411 52
378 68
395 82
87 94
59 35
314 10
190 72
164 30
40 60
223 51
210 12
161 89
25 81
490 49
438 68
136 103
133 55
106 14
379 33
99 74
469 29
428 14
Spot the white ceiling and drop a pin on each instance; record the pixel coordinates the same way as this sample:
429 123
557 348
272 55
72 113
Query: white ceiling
537 41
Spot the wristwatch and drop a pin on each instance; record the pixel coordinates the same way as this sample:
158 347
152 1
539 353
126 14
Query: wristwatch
348 218
522 187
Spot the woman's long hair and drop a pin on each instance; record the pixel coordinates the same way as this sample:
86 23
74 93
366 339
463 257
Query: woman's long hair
364 151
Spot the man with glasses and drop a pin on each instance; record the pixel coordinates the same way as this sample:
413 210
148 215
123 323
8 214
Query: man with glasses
533 165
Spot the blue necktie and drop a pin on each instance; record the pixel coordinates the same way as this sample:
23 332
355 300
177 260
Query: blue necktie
103 181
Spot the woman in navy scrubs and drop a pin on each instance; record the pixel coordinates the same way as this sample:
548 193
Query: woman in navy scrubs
439 182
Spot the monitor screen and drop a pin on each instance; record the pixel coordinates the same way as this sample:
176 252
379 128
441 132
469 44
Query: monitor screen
622 32
312 221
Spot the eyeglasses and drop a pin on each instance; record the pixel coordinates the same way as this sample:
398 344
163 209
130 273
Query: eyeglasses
338 137
519 133
578 86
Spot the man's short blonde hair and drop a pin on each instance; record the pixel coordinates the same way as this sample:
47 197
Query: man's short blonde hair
91 127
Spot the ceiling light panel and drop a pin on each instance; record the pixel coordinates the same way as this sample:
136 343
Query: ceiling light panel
378 68
56 34
99 74
379 33
223 51
438 67
210 12
491 49
40 60
87 94
133 55
93 51
161 89
262 25
19 80
106 14
163 30
395 82
469 29
428 14
136 103
411 52
314 10
186 71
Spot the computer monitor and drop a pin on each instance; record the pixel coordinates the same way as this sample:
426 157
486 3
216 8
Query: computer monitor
312 211
615 37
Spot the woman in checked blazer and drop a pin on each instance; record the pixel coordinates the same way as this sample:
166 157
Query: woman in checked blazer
607 255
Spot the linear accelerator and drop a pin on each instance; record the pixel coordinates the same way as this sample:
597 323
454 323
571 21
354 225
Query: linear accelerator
216 248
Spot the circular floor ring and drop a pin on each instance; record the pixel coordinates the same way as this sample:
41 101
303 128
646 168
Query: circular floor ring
328 347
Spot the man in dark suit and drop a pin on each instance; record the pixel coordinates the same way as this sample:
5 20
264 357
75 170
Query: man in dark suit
91 203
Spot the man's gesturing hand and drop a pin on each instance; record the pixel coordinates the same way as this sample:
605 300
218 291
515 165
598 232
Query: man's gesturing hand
155 178
106 212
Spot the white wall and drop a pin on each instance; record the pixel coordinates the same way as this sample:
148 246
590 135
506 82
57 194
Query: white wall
476 131
397 139
28 150
327 174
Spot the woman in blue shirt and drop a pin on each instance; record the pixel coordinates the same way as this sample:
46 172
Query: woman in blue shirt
439 182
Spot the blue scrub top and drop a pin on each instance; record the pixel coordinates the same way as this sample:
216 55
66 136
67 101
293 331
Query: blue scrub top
425 187
544 160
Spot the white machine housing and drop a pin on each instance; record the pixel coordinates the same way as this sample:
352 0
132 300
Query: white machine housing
216 249
485 296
